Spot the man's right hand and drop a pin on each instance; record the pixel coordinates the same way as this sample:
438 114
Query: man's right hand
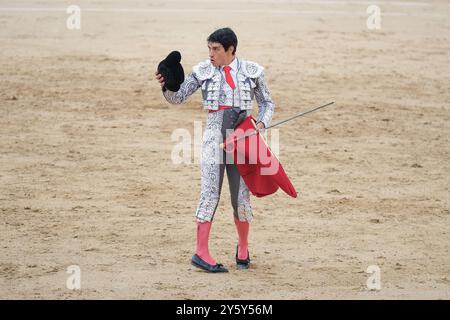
160 79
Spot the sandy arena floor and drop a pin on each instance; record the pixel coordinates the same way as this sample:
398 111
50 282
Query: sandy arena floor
86 176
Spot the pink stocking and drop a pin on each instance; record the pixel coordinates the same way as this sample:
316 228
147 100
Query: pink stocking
242 230
203 229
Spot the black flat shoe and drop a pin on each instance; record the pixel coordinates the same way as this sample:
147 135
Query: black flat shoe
242 264
200 263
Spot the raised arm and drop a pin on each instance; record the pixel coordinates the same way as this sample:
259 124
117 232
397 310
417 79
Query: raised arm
187 88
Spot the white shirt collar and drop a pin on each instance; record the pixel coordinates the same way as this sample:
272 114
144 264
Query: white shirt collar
233 64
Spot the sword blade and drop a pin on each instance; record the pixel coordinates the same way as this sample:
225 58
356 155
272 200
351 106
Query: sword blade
278 123
299 115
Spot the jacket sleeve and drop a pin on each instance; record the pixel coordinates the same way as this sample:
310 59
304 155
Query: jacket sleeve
264 100
187 88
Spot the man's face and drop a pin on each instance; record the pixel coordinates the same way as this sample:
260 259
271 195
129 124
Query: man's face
217 54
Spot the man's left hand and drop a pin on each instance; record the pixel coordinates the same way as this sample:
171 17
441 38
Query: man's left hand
260 126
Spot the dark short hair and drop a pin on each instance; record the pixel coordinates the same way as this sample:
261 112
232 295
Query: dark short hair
226 37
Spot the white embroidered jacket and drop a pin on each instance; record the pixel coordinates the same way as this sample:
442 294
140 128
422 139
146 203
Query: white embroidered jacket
216 92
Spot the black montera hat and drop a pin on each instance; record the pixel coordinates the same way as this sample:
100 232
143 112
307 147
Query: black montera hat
172 71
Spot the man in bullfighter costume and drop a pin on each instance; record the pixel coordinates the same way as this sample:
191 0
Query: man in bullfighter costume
228 86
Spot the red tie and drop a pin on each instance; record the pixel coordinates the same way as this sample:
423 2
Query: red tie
228 76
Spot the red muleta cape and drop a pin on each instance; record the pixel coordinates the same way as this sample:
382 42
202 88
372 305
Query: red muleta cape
258 166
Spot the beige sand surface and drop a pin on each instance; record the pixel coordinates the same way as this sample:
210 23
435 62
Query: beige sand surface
86 176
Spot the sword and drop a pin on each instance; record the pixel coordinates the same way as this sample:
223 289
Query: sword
278 123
